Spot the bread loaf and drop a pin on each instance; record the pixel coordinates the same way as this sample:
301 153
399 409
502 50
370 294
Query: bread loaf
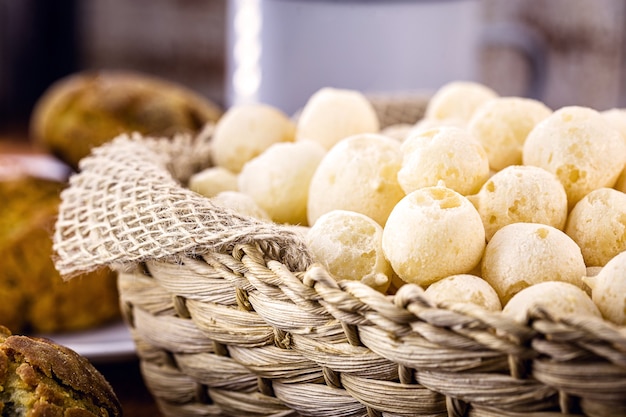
87 109
39 378
34 296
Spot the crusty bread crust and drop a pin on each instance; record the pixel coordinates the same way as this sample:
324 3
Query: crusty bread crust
35 297
88 109
39 378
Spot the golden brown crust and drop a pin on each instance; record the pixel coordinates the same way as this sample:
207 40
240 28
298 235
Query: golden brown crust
35 296
41 378
87 109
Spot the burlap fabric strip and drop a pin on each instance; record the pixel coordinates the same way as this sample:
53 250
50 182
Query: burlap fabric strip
127 205
231 318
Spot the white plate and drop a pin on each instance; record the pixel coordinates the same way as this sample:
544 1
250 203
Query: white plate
36 165
110 343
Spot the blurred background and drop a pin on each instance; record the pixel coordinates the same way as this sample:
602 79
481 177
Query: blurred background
562 52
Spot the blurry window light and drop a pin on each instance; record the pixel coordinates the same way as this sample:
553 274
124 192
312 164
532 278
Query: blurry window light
247 50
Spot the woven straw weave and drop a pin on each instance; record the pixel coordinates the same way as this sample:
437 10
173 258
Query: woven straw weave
231 318
399 108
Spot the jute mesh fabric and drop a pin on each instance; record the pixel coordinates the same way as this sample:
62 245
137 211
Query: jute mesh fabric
231 318
127 205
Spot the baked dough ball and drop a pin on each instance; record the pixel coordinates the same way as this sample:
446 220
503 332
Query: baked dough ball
592 271
620 184
520 193
398 131
427 124
359 174
349 245
279 178
396 283
332 114
465 288
580 147
41 378
245 131
598 225
559 299
501 126
447 154
243 204
608 289
616 118
457 101
212 181
432 233
523 254
87 109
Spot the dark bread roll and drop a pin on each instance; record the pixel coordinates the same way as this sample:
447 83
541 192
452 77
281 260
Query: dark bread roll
39 378
87 109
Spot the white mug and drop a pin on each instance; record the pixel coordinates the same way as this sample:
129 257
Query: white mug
281 51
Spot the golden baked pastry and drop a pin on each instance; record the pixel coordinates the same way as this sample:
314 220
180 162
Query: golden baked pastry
39 378
87 109
34 296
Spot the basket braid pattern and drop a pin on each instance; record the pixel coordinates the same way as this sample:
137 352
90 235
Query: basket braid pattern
231 318
399 108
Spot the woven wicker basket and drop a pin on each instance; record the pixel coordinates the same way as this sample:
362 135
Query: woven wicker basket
231 318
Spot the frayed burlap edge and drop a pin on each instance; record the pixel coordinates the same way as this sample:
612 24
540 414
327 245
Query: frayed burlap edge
127 205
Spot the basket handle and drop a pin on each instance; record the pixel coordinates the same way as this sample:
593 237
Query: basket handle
127 205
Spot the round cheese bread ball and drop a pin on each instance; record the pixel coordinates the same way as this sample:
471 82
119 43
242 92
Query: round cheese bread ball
447 154
279 178
458 100
396 283
620 184
332 114
523 254
212 181
501 126
399 131
427 124
609 290
359 174
465 288
349 245
598 225
243 204
580 147
245 131
592 271
616 118
520 193
559 299
432 233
